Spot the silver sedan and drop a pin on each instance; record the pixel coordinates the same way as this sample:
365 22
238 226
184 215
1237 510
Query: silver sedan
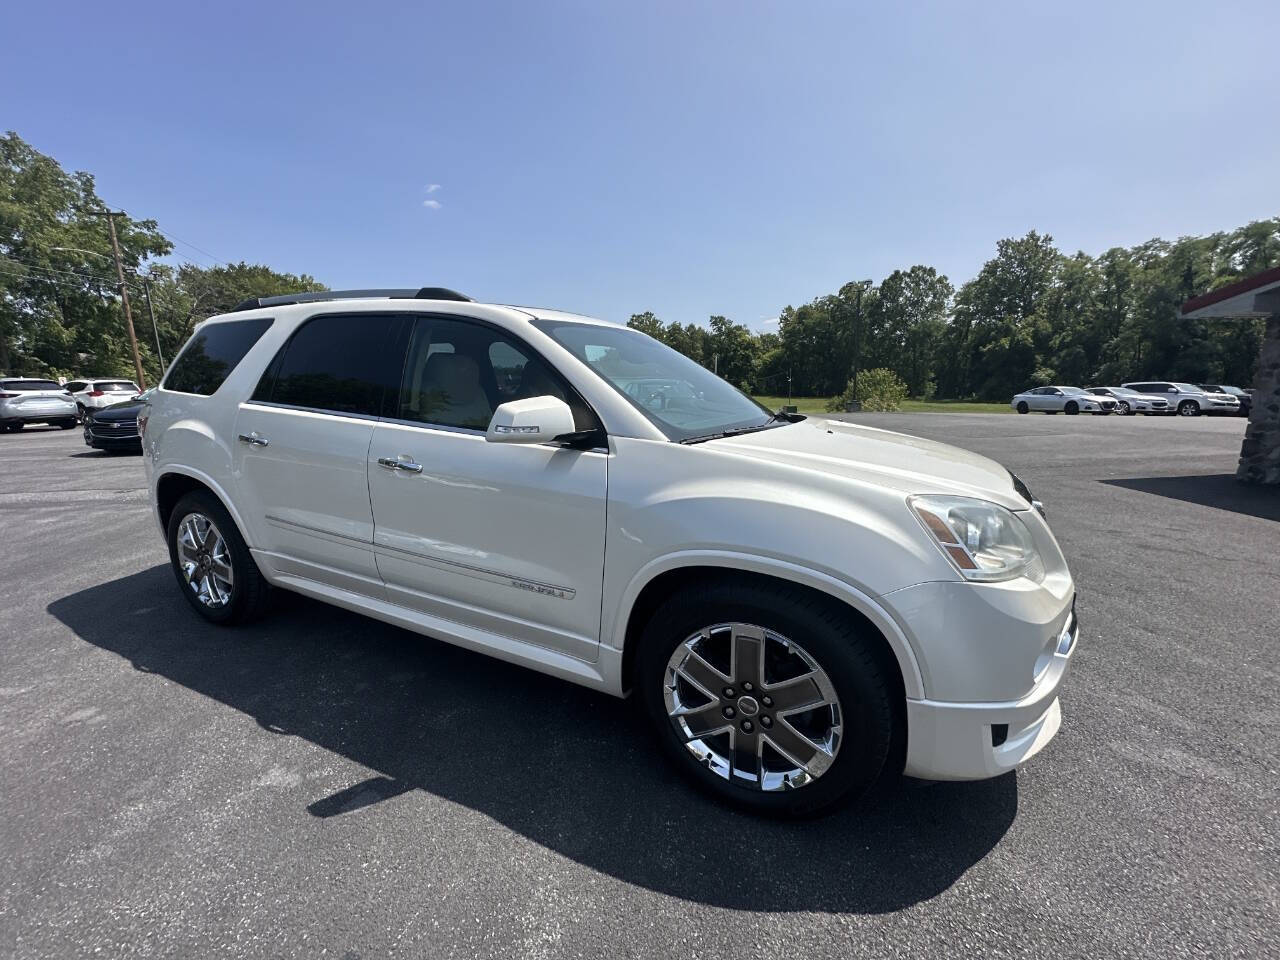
1068 400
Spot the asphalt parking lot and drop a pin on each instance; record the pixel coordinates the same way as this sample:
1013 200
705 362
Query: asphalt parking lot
325 785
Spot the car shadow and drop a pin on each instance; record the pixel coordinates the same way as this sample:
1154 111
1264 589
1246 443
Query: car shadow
1220 490
568 768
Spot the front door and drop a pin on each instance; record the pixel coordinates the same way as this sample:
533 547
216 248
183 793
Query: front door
507 538
302 442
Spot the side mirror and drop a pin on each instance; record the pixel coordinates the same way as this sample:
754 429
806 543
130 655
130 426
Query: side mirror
533 420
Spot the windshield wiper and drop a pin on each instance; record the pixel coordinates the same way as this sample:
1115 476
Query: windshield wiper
769 424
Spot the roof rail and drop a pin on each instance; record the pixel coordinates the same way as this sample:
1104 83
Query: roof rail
422 293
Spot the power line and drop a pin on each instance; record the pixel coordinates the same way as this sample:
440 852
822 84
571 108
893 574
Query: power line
187 243
54 270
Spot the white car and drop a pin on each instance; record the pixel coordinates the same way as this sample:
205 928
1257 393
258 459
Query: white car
1068 400
1187 399
1131 402
802 605
98 394
25 400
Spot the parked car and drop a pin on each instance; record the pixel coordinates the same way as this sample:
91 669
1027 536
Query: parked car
1069 400
1188 399
1243 397
99 394
115 428
788 598
1130 402
26 400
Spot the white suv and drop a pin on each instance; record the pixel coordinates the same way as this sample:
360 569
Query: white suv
801 605
1187 399
99 394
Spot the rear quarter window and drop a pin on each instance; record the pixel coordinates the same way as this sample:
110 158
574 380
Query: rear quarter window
213 353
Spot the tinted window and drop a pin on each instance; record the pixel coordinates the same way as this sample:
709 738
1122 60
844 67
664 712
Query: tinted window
212 354
458 373
74 386
31 385
116 386
338 362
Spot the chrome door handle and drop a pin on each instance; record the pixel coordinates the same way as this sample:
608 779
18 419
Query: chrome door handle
395 463
253 439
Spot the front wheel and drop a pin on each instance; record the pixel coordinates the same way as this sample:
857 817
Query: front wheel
1124 408
1072 408
1022 406
212 563
772 699
67 424
1188 408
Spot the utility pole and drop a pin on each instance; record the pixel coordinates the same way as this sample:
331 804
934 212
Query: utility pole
124 292
146 289
857 330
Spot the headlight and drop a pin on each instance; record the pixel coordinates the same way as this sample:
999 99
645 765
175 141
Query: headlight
983 540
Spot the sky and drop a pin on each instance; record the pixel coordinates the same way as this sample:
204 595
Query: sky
689 158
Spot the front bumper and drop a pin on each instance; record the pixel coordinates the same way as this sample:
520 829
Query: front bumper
974 741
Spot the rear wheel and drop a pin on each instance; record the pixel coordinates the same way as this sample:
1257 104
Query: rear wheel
774 700
212 563
13 426
1188 408
1022 406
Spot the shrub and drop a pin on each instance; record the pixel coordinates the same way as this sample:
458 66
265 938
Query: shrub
878 389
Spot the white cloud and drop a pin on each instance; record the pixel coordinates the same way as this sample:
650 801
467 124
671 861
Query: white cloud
432 187
431 204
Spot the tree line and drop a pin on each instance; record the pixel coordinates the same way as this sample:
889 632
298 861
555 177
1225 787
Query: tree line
1033 314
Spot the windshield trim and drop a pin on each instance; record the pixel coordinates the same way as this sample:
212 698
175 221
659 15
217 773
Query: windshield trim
674 434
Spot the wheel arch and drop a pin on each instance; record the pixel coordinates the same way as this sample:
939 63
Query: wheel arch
662 578
175 483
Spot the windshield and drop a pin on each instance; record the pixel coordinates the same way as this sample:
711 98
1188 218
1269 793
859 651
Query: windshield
1074 391
683 399
1188 386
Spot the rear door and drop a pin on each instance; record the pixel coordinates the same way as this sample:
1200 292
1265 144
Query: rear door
507 538
302 441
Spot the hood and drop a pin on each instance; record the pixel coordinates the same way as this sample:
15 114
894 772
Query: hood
881 457
128 410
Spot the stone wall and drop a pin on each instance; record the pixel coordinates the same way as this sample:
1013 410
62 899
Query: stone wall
1260 453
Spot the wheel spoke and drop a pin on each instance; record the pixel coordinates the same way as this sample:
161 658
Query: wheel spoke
799 749
800 693
699 722
748 655
747 760
703 675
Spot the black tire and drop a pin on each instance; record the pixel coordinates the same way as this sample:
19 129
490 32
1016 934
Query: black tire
832 636
67 424
1124 408
1072 408
1188 408
81 412
1022 407
14 426
250 592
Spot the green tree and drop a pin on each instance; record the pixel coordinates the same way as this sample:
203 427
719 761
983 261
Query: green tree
59 305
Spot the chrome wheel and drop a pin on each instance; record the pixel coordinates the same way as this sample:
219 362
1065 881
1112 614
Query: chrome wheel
205 560
753 707
1124 408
